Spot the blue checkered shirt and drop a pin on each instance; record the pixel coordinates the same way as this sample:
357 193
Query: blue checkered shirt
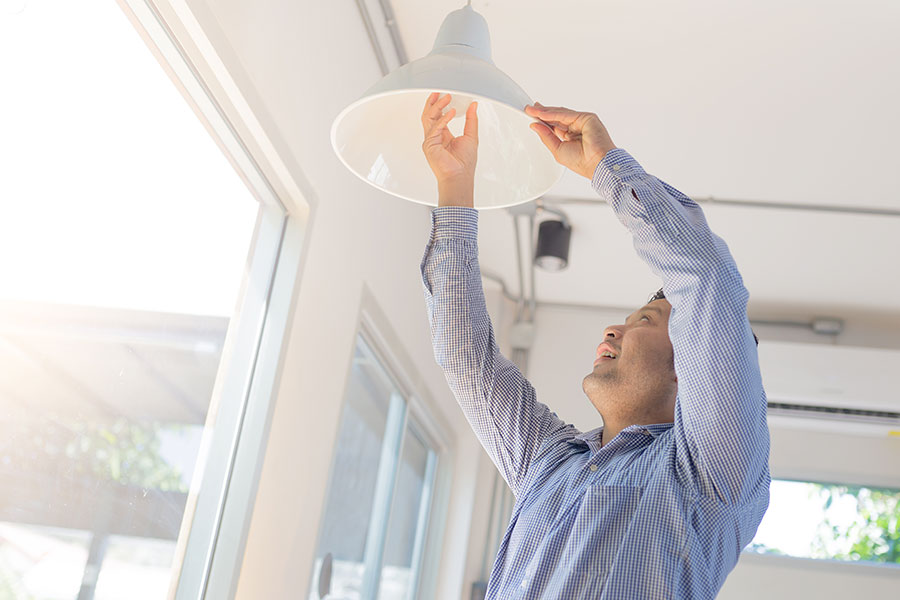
661 510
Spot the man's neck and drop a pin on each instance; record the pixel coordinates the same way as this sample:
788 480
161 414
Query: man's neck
614 422
609 432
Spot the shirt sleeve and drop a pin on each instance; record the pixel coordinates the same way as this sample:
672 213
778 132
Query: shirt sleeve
499 403
720 430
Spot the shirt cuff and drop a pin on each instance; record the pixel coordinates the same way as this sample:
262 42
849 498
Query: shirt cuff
616 166
454 222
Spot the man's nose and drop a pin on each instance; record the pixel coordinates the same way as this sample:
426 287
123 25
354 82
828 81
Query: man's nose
613 331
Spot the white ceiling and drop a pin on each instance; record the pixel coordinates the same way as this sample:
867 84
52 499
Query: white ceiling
762 101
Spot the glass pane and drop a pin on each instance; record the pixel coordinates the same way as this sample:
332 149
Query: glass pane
831 521
41 562
130 559
125 233
354 472
406 511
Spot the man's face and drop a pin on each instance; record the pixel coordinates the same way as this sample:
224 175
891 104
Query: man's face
643 369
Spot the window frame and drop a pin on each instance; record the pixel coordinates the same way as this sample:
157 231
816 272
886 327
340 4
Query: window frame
422 408
821 565
419 414
214 528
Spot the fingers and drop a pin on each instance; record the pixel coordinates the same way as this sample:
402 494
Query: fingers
559 129
434 119
439 127
547 136
471 128
562 132
557 115
434 107
448 116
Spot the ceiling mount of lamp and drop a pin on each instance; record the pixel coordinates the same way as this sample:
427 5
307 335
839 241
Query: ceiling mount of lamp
379 137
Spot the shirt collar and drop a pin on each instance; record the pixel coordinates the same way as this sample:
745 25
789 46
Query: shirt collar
592 438
656 429
583 439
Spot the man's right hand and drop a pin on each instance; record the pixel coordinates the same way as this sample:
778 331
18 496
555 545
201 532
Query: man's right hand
452 159
578 140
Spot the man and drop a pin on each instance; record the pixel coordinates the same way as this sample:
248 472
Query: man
660 501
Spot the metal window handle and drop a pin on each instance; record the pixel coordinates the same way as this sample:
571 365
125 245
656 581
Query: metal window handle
325 576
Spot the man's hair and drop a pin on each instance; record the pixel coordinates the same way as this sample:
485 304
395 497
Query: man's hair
659 295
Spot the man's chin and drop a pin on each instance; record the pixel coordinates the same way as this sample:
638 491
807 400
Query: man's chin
597 381
603 370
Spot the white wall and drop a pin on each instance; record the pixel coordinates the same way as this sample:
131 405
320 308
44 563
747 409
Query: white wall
782 578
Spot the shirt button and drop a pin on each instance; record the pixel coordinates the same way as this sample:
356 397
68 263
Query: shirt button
645 432
616 167
593 467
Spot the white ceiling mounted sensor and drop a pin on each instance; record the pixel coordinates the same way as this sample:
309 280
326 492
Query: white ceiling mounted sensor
379 137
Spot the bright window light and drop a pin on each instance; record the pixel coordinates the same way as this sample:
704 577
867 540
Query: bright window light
114 194
831 521
125 233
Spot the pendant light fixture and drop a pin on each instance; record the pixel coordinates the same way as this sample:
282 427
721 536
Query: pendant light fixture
379 137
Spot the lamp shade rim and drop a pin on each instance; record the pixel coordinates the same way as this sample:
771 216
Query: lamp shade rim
480 98
421 90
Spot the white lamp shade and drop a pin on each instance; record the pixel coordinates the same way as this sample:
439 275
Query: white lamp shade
379 137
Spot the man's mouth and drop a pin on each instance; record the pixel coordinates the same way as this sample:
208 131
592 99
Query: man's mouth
606 352
603 357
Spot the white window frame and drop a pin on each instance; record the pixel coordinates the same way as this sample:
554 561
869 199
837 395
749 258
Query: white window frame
213 534
820 565
374 328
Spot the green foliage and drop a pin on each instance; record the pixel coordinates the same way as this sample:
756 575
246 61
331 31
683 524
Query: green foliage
118 450
10 588
125 452
873 535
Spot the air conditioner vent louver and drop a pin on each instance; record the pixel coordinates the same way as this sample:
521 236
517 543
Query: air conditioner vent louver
835 413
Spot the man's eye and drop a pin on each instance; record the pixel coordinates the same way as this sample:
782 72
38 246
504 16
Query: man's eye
645 317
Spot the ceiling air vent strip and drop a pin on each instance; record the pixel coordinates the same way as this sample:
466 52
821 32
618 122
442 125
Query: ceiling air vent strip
835 413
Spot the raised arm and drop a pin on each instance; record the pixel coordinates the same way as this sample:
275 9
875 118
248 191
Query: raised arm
497 400
720 415
499 403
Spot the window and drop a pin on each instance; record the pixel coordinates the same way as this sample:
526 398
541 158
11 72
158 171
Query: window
128 239
831 521
372 535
